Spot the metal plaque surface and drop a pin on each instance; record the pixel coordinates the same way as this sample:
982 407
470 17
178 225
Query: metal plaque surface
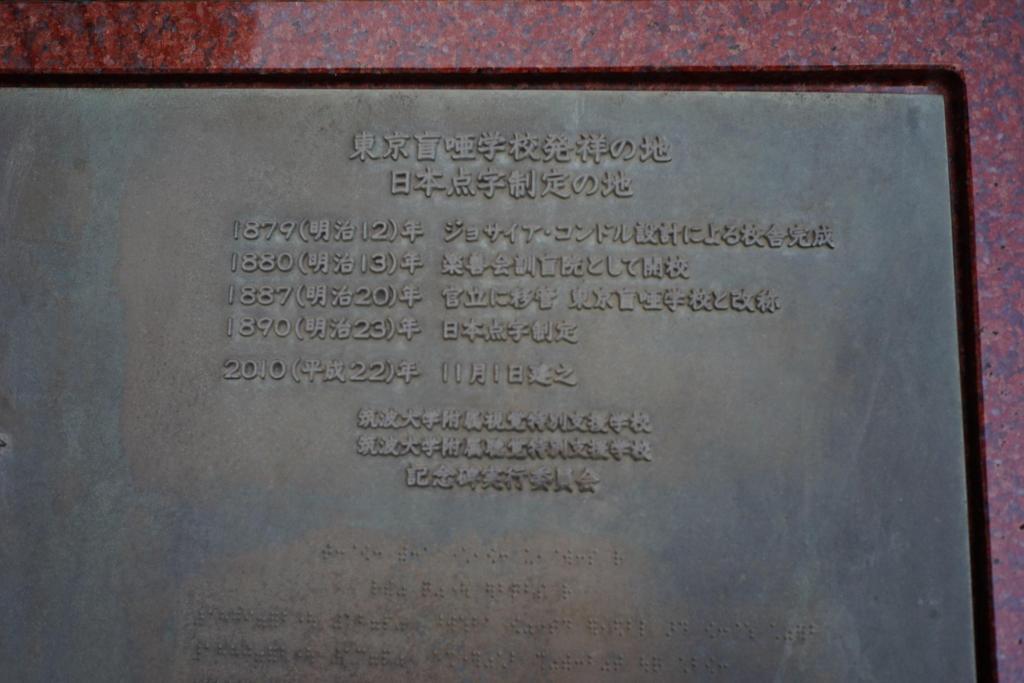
437 385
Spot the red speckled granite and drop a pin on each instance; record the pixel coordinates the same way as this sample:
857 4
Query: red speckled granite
984 40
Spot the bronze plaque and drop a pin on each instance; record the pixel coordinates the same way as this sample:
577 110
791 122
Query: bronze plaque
438 385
